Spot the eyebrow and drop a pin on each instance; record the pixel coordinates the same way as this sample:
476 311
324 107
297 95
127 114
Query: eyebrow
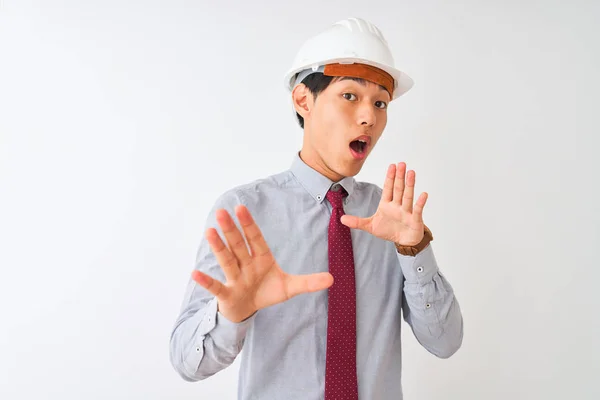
361 81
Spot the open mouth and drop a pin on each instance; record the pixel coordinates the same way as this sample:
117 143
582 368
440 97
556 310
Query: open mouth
359 146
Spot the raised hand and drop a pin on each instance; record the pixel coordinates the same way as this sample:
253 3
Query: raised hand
396 219
253 278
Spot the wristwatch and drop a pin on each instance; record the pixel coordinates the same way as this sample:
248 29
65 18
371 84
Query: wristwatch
414 250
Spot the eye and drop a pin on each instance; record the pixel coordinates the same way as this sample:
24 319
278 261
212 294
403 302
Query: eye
349 96
381 104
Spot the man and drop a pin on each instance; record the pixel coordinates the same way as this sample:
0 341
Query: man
312 279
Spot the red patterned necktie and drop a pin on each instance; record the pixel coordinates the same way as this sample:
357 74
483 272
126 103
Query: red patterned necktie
340 371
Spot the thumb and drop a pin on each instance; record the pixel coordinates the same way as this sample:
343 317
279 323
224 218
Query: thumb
299 284
354 222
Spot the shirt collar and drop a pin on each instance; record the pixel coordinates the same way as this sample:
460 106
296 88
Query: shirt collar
316 184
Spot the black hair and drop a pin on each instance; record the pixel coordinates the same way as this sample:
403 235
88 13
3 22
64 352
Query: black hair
316 83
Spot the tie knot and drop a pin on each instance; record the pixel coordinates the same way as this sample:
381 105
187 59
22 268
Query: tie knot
336 195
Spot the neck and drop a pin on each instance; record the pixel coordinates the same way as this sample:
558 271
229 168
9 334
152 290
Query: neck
311 158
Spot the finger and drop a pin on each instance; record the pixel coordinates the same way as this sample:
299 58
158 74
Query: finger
258 246
234 238
225 258
418 209
399 182
388 185
299 284
212 285
409 191
354 222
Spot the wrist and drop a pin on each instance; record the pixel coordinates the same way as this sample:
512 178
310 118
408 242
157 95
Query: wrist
416 249
235 317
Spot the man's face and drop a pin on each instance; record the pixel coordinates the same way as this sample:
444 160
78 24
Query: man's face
343 125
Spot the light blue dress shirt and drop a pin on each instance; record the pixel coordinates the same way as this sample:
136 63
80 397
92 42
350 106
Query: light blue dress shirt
283 347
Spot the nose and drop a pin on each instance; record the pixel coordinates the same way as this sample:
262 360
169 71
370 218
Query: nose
366 115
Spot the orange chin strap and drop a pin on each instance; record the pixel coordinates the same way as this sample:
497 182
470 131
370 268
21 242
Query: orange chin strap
363 71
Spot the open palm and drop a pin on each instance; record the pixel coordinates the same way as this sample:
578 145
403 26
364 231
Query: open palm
254 280
396 219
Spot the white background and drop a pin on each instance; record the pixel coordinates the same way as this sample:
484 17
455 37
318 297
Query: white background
121 121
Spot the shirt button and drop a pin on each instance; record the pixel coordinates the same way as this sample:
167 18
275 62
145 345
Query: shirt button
335 187
420 269
427 305
198 349
318 197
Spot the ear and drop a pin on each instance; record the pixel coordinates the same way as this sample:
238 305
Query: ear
302 99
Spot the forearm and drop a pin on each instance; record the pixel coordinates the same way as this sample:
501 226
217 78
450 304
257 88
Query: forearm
430 306
203 342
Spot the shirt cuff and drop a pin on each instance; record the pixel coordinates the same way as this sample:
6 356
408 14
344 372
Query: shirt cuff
420 268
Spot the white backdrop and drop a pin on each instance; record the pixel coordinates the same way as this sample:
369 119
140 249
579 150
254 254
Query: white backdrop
121 121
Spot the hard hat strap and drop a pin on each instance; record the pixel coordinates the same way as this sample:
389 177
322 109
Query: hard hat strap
363 71
357 70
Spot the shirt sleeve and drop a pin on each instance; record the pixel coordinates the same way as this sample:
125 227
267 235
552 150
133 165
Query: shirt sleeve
203 342
429 304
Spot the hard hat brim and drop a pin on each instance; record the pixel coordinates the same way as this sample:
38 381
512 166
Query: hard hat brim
402 82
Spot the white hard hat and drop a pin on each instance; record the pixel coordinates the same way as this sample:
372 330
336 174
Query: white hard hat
350 41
